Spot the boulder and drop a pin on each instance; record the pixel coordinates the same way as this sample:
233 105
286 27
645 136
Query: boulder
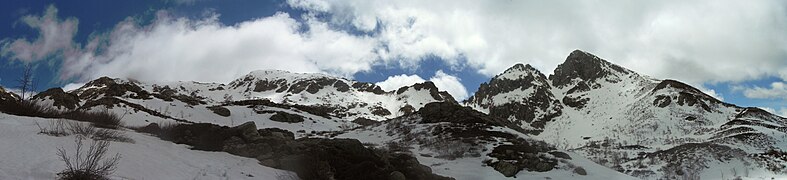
248 131
396 175
506 168
580 171
220 110
286 117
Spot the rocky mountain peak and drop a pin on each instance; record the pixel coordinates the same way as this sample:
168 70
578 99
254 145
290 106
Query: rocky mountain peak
520 71
584 66
431 88
59 98
521 94
7 96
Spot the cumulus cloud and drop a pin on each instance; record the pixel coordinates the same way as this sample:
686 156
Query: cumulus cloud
72 86
694 41
451 84
777 90
397 81
443 81
55 35
171 49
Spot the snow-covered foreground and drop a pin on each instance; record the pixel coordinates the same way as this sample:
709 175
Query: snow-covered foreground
29 155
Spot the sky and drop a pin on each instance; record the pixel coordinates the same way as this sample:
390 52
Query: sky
734 50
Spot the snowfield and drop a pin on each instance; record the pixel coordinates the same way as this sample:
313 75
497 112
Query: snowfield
26 154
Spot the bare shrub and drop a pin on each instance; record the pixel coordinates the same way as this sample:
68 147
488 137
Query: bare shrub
29 108
111 135
103 118
55 128
81 129
97 133
89 163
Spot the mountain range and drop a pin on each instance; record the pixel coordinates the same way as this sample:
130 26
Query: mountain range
589 119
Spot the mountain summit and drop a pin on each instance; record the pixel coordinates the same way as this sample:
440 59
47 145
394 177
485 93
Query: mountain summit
619 118
581 65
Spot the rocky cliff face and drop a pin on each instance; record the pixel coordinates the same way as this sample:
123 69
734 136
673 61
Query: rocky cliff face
521 94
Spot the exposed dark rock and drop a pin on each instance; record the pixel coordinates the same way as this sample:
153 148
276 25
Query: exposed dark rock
687 95
506 168
757 113
248 131
380 111
365 121
434 92
152 128
525 155
220 110
410 168
7 96
315 109
109 87
662 101
164 93
407 109
584 66
580 171
575 102
368 87
286 117
559 154
201 136
455 113
263 85
580 87
396 175
341 86
60 98
522 111
276 132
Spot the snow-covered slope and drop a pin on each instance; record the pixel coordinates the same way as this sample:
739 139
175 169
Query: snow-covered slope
618 117
30 155
462 143
326 103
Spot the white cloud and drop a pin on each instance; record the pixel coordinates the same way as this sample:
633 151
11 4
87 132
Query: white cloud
443 81
710 92
72 86
451 84
171 49
777 90
397 81
781 112
55 35
694 41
